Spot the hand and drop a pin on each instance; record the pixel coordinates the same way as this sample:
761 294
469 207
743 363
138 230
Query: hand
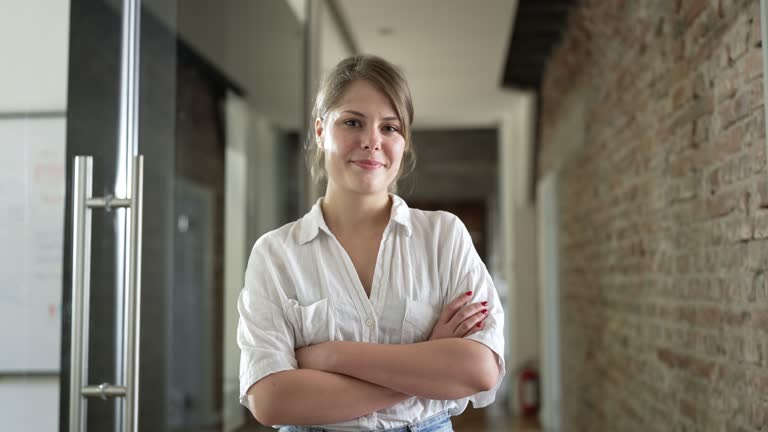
314 356
459 318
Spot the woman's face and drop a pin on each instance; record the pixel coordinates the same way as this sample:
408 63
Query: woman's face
362 141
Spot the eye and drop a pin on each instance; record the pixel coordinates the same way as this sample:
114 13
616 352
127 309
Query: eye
352 122
390 128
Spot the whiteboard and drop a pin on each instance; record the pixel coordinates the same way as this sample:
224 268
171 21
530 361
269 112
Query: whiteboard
31 405
32 182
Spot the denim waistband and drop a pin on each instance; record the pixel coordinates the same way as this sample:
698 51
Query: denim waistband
431 423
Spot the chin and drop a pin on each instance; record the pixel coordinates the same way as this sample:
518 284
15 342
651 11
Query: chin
368 185
371 190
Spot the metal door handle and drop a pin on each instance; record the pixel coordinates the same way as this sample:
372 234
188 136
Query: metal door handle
133 299
82 204
81 287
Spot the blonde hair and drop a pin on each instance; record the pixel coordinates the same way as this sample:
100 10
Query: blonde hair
388 79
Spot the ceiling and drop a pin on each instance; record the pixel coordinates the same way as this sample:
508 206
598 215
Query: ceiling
467 61
453 53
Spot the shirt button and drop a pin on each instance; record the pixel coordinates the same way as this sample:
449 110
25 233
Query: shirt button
369 322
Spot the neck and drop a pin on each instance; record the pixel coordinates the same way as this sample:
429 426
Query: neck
349 212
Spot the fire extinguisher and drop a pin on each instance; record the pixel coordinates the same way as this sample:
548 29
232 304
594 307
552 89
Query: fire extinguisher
528 391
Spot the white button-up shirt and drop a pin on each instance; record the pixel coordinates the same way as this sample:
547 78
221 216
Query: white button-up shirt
301 288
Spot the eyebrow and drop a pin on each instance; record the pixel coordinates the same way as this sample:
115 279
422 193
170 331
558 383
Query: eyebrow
358 113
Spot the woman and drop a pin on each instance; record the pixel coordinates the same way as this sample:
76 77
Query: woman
366 314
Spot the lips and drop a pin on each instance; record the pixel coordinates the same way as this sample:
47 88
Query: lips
368 164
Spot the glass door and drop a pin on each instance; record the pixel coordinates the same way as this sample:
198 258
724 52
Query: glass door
124 125
118 214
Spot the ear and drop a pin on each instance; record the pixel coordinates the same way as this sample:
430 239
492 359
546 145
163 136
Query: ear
319 129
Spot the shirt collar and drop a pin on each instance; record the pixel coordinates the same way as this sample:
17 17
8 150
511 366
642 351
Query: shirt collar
313 222
401 214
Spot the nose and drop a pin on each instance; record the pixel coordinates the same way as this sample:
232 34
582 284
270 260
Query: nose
371 139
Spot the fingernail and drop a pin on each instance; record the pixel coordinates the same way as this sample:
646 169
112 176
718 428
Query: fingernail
479 325
469 293
485 303
484 311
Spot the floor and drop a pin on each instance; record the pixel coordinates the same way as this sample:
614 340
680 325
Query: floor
492 419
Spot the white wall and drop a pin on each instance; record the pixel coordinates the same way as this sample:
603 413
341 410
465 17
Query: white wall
517 239
550 415
568 138
237 115
34 41
35 49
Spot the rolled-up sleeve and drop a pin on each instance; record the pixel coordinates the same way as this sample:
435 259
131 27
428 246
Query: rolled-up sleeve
471 274
492 333
264 334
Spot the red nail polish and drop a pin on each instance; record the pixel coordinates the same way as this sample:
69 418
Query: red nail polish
485 303
469 293
484 311
479 325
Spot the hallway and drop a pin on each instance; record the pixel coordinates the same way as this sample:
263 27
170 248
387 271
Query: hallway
607 159
489 420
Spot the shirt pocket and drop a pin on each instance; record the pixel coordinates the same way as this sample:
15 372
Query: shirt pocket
418 321
314 323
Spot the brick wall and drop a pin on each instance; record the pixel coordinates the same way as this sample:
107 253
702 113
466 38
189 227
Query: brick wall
664 216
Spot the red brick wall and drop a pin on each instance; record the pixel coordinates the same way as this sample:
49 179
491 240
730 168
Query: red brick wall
664 216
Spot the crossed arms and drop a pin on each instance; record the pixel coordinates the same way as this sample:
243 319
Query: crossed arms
339 381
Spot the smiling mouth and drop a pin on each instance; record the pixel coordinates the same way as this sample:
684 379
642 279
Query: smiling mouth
369 165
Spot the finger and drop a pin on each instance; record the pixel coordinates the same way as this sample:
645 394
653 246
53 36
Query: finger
470 323
467 311
477 322
453 307
475 329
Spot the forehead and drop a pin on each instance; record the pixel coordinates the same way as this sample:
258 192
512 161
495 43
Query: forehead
363 96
